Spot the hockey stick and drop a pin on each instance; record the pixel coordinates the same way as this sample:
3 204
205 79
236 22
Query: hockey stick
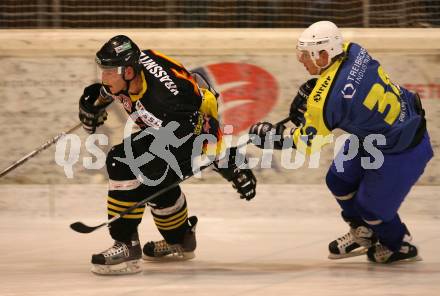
38 150
283 121
100 101
82 228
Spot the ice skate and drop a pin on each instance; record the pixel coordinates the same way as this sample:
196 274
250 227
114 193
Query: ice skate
162 251
381 254
121 258
354 243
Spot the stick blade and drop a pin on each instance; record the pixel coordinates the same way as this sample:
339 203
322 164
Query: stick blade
82 228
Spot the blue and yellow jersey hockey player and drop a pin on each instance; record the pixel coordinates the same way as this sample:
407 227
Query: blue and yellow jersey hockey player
354 93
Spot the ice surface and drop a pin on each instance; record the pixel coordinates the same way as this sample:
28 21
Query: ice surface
273 245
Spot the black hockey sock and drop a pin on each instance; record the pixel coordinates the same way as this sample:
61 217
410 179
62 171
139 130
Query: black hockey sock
122 229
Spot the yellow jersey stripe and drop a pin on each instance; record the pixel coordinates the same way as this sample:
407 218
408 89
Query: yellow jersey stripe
209 104
120 203
134 98
314 134
128 216
171 227
176 221
138 210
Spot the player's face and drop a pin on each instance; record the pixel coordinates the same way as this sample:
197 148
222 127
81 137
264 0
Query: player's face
305 58
113 78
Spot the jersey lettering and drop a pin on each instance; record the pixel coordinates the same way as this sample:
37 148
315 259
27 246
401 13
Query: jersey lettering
158 72
384 100
146 117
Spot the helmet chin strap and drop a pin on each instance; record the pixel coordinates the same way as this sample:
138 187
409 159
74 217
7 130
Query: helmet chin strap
319 67
127 82
316 65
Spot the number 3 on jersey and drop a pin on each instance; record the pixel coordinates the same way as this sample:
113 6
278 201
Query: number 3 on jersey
378 96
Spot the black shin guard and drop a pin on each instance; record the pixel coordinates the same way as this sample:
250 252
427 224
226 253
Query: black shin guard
170 215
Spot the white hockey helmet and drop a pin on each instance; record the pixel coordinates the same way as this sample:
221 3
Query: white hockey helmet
322 35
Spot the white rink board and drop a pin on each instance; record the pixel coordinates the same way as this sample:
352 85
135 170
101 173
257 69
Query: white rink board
47 70
274 245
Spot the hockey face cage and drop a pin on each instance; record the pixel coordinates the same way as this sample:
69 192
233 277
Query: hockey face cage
311 49
101 70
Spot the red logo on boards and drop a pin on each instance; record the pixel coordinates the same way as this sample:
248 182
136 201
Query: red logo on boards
247 92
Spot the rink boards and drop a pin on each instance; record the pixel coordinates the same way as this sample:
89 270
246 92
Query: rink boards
255 70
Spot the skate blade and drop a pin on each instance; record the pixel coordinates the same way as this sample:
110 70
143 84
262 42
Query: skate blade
413 259
170 258
129 267
417 258
409 260
348 255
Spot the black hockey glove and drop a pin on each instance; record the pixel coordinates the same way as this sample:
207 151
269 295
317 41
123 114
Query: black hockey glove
243 180
268 132
92 114
299 103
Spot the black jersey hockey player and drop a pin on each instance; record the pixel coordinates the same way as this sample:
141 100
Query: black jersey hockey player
157 92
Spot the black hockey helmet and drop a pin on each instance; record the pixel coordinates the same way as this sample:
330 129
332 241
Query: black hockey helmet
119 51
